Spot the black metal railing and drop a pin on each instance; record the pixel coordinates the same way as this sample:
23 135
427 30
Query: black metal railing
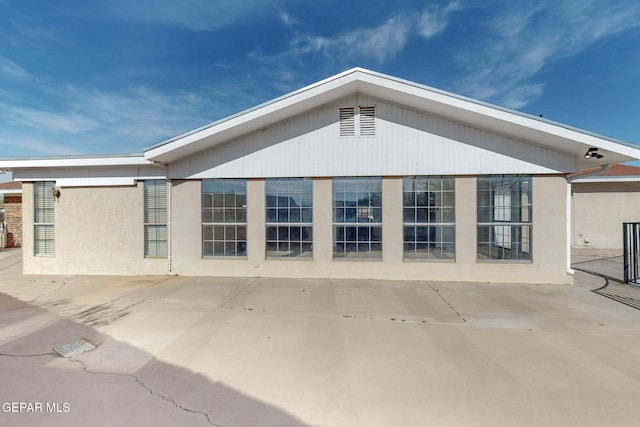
631 247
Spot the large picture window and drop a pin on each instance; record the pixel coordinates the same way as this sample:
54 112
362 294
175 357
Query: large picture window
357 217
224 217
289 215
44 217
504 217
429 217
155 218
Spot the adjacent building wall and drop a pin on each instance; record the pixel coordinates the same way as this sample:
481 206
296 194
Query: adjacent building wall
98 230
13 219
599 209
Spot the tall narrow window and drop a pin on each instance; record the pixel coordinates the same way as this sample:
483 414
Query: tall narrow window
504 217
44 217
289 204
357 217
155 218
224 217
429 217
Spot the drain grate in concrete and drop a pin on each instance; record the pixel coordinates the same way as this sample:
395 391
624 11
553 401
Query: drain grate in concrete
76 347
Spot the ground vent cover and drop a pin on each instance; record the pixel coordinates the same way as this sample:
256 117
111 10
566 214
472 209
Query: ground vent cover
74 348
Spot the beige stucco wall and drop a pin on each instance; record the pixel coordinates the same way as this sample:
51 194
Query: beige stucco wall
98 230
548 239
598 211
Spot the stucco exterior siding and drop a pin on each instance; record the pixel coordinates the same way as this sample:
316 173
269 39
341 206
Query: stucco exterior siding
113 241
97 231
548 239
599 209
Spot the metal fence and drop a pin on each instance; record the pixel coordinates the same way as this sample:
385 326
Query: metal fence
631 247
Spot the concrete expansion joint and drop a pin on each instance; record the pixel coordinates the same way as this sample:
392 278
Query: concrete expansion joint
437 291
48 292
238 293
168 399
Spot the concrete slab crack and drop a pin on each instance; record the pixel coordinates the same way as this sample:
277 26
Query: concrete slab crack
10 265
437 291
49 292
18 356
168 399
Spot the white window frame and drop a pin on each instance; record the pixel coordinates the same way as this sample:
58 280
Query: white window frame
43 218
156 241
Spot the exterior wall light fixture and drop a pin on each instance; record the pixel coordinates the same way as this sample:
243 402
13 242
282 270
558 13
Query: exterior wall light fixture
593 153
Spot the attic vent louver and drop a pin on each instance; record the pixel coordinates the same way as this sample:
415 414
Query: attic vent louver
347 121
367 121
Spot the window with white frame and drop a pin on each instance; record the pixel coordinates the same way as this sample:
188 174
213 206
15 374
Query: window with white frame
155 218
357 217
289 217
504 217
429 217
224 217
44 218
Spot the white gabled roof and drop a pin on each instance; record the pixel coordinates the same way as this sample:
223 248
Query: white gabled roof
538 131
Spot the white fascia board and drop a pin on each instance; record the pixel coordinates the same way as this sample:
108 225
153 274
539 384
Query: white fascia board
633 178
62 162
254 119
560 137
11 191
468 111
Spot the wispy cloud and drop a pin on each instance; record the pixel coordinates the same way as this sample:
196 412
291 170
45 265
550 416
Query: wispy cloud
110 122
435 18
12 70
379 43
196 15
502 67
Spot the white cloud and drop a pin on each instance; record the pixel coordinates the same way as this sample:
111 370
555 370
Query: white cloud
94 121
196 15
12 69
435 19
500 68
379 43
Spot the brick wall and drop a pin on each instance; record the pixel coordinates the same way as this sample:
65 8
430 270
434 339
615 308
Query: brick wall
13 218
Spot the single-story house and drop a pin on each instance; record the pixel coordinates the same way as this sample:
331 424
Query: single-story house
602 200
10 215
361 175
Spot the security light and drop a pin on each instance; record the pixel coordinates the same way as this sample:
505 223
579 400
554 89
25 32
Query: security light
592 153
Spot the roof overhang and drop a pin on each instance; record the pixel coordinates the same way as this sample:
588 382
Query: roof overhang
534 130
75 162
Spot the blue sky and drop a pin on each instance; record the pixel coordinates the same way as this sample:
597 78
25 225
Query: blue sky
113 77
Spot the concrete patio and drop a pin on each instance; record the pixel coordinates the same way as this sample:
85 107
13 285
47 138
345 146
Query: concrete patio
272 352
